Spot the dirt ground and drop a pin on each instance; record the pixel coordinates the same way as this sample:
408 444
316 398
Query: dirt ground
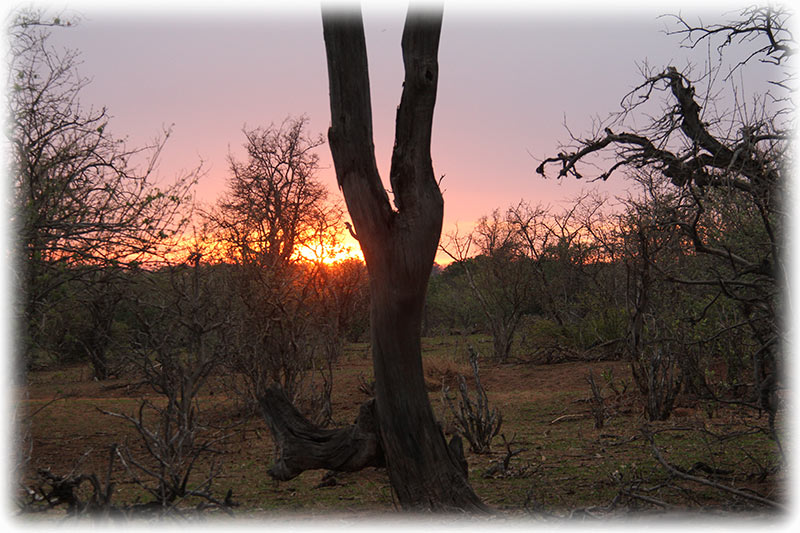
564 463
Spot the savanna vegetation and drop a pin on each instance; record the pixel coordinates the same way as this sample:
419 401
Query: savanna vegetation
593 359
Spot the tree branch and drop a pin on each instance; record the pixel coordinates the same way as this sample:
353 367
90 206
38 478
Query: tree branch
304 446
703 481
412 178
350 135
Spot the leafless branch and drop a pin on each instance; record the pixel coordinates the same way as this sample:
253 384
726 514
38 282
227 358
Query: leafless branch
707 482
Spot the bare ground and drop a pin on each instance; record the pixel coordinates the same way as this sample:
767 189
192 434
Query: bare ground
567 465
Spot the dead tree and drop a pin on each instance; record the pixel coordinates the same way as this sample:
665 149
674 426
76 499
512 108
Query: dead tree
399 245
727 173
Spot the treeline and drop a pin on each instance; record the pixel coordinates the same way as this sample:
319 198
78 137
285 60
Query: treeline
595 281
591 281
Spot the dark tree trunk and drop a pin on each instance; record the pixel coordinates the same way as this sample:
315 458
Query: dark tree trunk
503 339
399 247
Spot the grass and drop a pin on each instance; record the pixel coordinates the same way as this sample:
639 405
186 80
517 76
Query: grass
567 463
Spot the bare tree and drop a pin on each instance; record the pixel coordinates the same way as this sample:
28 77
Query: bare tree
399 246
533 260
275 201
727 169
562 252
181 337
499 275
274 211
82 199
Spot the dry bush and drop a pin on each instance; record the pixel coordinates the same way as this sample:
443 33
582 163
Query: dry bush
474 419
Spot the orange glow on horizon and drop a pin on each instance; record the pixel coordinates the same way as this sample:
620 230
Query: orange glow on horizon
346 248
210 250
181 248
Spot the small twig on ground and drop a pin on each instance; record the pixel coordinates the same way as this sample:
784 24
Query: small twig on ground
644 498
564 418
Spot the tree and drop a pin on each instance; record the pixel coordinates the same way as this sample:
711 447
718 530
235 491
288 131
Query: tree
275 201
651 301
101 293
179 339
399 245
534 260
728 170
450 305
574 270
82 199
274 208
346 297
500 276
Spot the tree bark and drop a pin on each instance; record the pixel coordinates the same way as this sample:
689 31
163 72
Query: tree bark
399 246
304 446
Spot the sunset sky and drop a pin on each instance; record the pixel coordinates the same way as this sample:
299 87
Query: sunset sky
510 76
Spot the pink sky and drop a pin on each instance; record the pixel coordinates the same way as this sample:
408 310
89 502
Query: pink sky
509 78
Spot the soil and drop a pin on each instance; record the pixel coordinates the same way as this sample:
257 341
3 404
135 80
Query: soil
562 461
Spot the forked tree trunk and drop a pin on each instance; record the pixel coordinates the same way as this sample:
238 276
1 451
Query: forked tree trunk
399 246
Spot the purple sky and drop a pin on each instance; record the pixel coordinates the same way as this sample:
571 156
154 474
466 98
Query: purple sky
509 78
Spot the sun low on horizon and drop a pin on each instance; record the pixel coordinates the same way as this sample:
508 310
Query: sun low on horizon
346 248
212 250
